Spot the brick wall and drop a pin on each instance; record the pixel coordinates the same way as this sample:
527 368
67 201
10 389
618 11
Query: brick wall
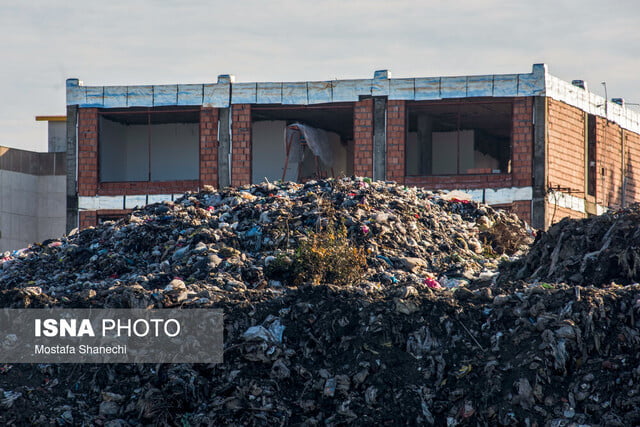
209 147
522 142
363 138
556 213
241 156
566 159
566 147
522 208
609 163
396 136
87 151
632 152
87 219
90 218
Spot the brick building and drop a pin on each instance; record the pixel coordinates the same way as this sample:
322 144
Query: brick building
535 144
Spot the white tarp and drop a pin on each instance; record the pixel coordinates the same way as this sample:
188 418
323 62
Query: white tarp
317 140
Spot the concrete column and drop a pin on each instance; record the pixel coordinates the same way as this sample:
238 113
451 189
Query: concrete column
379 138
538 204
224 147
72 158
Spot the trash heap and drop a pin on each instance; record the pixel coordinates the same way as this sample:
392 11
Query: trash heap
426 335
594 251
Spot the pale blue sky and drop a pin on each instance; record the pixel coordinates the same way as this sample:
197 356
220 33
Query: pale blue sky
142 42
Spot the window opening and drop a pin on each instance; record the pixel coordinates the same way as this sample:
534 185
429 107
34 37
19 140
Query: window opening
154 144
461 137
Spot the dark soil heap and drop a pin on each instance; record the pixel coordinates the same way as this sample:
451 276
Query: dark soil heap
593 251
422 336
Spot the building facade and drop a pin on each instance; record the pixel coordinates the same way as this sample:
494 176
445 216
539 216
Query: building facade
531 143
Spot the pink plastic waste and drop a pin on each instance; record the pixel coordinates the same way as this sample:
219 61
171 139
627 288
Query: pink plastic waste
432 283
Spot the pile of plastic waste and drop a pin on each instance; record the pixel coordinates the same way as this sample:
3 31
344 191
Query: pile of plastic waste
424 335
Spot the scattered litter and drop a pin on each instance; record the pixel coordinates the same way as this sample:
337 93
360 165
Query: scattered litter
429 332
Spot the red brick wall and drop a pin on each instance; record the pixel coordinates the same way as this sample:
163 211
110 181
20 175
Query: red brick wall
522 208
609 161
556 213
87 151
632 152
87 219
522 142
566 159
566 147
363 138
90 218
241 146
396 135
209 147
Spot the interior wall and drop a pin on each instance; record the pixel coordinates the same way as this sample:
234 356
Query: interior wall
340 160
124 151
445 152
267 152
412 154
175 151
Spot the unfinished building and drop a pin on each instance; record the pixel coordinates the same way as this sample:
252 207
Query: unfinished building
532 143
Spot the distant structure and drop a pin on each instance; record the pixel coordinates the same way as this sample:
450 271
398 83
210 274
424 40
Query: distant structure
33 191
532 143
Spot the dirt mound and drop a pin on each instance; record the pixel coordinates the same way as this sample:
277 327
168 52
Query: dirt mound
593 251
423 337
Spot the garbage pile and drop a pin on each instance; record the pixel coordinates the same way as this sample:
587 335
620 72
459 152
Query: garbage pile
594 251
425 336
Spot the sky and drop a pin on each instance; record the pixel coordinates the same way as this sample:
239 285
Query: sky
167 42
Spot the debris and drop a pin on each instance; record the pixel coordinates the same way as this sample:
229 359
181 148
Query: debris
427 333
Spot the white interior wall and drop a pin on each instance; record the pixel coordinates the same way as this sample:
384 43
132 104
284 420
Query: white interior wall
445 152
175 151
124 151
484 161
267 152
136 153
340 163
412 154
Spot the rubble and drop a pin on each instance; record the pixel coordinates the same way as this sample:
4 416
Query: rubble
594 251
426 335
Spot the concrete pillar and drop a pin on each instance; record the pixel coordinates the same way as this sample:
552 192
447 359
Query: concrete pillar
71 155
224 147
538 204
379 138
